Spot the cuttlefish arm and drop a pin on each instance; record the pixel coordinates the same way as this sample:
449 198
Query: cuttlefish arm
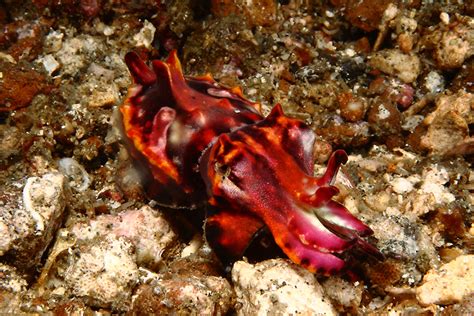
255 175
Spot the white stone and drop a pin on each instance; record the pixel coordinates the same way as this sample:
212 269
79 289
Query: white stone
28 223
449 284
104 273
78 177
145 228
434 82
49 63
401 185
278 287
393 62
343 292
433 182
53 42
146 35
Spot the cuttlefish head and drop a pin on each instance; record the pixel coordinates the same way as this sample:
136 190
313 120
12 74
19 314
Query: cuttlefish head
169 120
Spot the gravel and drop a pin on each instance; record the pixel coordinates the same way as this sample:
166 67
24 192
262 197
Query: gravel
388 81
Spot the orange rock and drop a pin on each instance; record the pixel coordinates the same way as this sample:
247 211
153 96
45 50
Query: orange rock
19 86
352 108
257 12
365 14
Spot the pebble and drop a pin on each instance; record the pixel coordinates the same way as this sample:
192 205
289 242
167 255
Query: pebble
50 64
103 273
184 292
449 284
78 177
278 287
405 67
145 36
146 229
28 227
448 125
401 185
343 292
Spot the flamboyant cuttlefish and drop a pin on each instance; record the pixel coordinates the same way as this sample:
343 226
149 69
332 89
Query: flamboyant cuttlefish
203 143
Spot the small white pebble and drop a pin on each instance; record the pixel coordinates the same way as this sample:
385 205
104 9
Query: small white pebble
383 113
444 17
329 14
49 63
390 13
401 185
350 52
108 30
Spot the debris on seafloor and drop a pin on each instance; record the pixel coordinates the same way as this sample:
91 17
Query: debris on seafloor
391 82
278 287
29 224
448 284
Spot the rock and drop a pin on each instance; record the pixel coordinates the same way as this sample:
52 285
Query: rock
365 14
103 273
452 43
431 192
78 177
434 82
462 103
257 12
449 284
49 63
384 118
434 178
53 42
27 227
145 36
419 203
278 287
401 185
10 280
447 127
406 67
353 108
405 27
444 133
146 229
19 85
343 292
190 287
12 286
409 242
